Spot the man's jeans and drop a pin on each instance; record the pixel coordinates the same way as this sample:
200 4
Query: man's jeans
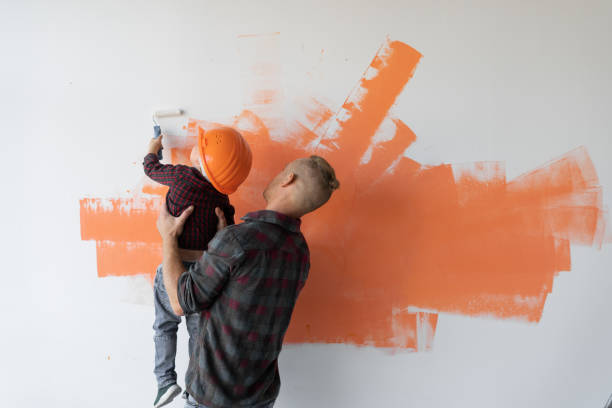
191 403
165 327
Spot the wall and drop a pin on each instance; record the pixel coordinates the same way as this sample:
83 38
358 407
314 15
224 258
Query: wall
464 262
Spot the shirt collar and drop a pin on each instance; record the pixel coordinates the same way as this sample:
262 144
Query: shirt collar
273 217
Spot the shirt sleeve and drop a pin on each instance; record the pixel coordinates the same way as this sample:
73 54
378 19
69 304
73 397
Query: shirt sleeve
162 173
204 281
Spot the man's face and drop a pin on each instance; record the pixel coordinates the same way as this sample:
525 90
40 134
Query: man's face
273 185
267 193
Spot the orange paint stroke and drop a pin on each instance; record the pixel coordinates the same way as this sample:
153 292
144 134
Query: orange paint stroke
261 76
399 241
127 258
121 220
154 189
367 105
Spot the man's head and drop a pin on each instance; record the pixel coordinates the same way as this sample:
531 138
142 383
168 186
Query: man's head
303 186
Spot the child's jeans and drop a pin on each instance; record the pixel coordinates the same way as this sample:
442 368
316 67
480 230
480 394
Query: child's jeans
165 327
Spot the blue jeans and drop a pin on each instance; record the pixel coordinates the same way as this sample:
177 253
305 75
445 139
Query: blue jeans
165 327
192 403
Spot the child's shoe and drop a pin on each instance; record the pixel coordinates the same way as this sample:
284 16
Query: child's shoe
166 394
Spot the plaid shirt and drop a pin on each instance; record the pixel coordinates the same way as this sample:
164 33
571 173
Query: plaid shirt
244 288
189 187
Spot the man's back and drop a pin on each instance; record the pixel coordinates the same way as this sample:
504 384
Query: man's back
245 286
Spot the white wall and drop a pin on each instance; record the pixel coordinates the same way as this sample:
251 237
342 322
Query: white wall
511 81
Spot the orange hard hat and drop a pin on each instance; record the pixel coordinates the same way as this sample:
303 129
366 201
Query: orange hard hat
225 156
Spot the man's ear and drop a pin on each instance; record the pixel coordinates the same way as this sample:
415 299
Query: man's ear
288 179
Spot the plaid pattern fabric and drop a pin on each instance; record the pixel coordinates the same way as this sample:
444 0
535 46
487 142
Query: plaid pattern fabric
189 187
244 289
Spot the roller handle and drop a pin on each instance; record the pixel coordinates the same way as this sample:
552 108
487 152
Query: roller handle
156 134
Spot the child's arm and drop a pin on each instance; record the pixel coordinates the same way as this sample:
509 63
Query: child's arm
162 173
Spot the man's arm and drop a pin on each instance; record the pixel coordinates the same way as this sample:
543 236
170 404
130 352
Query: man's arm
162 173
200 286
170 228
173 268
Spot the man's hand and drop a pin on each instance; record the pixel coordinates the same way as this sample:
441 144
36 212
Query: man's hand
155 144
222 221
170 227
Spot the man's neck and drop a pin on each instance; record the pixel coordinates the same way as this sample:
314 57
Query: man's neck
282 209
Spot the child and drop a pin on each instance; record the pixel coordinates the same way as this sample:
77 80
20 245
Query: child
221 161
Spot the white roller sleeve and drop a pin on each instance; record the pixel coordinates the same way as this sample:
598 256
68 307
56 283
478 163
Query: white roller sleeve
166 113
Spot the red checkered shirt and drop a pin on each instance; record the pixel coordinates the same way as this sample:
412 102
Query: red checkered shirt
189 187
244 287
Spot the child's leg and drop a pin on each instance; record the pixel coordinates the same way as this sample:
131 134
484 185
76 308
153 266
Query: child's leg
165 327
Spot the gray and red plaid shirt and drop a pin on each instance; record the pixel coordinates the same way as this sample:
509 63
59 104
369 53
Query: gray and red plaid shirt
244 289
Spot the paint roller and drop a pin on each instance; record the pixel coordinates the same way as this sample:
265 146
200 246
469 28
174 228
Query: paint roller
157 129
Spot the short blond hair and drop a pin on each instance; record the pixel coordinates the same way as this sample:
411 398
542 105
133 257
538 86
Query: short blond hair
327 175
319 181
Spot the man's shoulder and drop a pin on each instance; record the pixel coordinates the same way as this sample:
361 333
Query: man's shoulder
246 234
254 235
226 243
241 231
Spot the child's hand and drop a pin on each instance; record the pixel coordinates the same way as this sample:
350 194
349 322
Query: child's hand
155 144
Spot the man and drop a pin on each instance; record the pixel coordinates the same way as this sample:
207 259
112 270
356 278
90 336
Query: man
244 288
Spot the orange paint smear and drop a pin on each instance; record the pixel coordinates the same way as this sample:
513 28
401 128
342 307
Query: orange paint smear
122 220
397 235
127 242
386 153
154 189
127 258
181 155
264 97
368 104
